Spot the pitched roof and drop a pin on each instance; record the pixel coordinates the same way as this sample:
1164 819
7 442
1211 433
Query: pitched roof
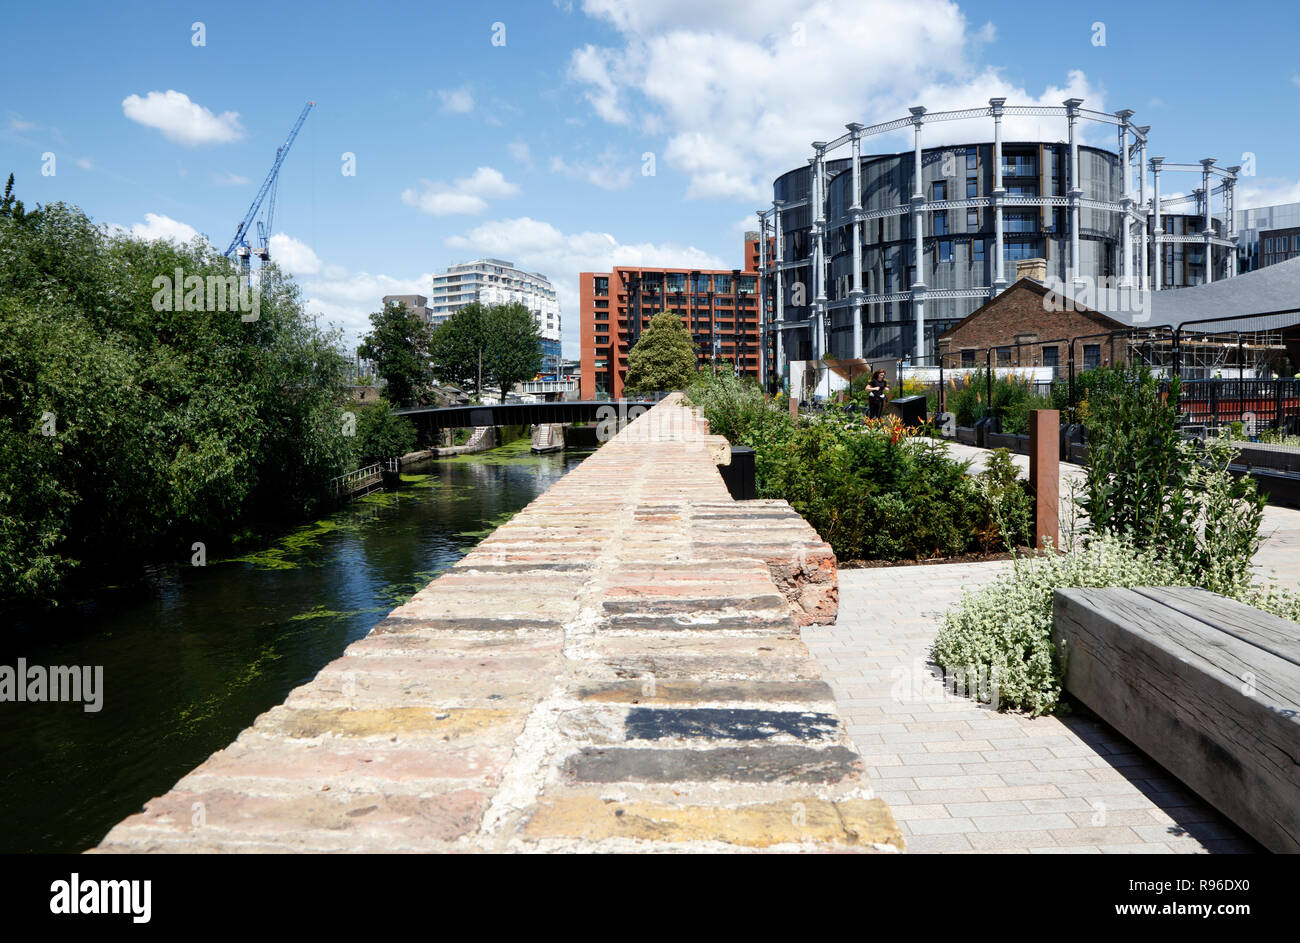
1274 288
1031 284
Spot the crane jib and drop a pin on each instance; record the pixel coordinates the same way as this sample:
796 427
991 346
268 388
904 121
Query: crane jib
280 154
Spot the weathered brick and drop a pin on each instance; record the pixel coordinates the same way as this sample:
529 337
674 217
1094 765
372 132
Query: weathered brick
591 642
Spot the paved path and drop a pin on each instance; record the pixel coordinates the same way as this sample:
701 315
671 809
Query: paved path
960 778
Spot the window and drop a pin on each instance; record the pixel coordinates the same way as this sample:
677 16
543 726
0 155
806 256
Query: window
1022 189
977 250
972 220
972 159
968 358
1052 356
1091 356
940 224
602 315
945 250
1268 245
1016 251
972 189
602 286
1020 222
939 190
1019 165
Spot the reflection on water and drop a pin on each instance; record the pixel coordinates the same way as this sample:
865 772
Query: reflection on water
193 654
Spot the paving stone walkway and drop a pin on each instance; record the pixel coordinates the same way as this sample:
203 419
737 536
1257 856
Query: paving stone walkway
961 778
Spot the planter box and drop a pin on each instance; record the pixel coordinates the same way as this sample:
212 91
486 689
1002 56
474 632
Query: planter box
1005 440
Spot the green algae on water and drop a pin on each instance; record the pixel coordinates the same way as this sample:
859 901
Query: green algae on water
189 719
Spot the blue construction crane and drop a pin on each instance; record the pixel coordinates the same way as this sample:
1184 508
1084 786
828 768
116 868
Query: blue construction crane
269 185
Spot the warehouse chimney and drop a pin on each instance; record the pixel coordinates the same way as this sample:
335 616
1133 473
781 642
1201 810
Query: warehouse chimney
1032 268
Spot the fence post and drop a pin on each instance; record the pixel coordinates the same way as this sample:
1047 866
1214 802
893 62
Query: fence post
1070 398
988 377
1045 475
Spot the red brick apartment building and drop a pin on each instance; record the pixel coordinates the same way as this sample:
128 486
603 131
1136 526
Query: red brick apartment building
719 306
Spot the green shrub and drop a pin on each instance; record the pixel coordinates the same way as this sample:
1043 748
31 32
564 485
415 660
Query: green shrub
381 434
1147 484
1004 629
1013 399
1007 496
870 490
730 403
1163 512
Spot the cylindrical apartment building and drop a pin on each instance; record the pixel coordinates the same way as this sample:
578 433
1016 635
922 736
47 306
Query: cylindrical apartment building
875 256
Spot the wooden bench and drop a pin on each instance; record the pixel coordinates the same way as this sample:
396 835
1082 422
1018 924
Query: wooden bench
1207 687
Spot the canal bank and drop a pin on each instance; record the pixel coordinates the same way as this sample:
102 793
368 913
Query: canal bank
192 654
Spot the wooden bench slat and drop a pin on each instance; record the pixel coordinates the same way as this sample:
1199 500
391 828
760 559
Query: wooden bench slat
1262 629
1219 712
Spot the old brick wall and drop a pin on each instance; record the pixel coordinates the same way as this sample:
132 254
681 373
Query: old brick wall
1020 313
617 668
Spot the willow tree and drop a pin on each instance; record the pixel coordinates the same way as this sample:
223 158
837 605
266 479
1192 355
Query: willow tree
663 358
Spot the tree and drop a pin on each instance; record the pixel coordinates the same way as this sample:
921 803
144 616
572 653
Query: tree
457 347
381 434
398 343
663 358
130 431
513 348
12 208
480 345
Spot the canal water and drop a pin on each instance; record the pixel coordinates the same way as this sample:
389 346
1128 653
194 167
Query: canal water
194 654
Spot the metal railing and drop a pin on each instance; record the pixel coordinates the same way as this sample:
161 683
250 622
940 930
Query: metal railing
354 481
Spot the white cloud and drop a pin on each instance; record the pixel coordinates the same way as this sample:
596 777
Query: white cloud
457 101
591 66
18 124
294 256
347 300
1295 80
1266 191
229 179
541 247
466 195
85 163
157 226
520 151
741 87
609 171
181 120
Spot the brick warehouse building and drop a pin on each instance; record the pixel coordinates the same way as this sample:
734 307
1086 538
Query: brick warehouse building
719 307
1024 330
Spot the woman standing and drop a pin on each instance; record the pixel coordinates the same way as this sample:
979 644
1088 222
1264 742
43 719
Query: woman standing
876 391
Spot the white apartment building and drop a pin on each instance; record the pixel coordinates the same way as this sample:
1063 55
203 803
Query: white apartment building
493 282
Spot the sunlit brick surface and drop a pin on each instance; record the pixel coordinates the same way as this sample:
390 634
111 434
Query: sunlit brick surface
619 667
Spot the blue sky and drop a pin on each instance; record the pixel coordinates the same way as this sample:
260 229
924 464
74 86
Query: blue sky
534 150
